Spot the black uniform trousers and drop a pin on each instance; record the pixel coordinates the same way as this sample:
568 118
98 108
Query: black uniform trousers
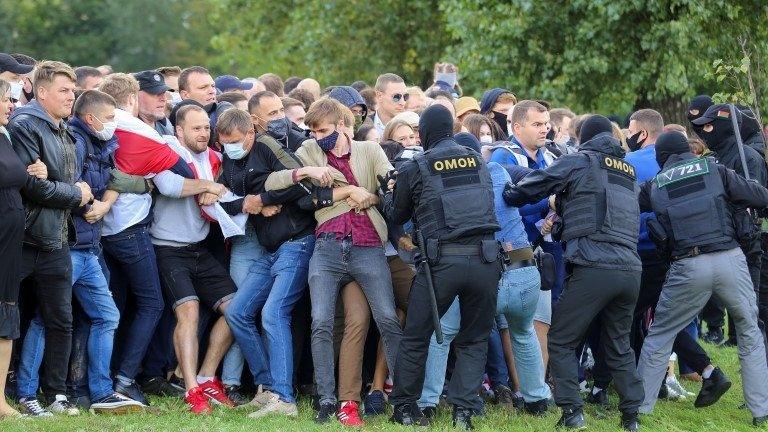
475 282
590 292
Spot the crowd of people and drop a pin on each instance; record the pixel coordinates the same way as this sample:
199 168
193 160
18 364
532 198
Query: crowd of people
228 241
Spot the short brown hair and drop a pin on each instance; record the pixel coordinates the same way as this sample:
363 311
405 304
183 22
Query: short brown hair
326 110
388 78
302 95
232 97
47 70
183 112
120 86
291 102
184 76
91 99
650 120
557 115
474 122
84 72
167 71
676 128
520 110
232 120
273 82
255 100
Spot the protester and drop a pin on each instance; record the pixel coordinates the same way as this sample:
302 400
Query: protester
88 78
231 83
401 132
238 100
273 83
391 99
12 72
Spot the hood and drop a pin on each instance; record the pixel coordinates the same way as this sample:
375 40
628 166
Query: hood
749 125
435 125
489 99
36 110
677 158
77 126
604 143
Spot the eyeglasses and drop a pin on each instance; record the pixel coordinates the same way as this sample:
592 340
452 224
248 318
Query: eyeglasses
398 96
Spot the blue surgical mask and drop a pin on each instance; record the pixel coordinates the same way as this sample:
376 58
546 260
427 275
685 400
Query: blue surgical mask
235 151
328 142
278 128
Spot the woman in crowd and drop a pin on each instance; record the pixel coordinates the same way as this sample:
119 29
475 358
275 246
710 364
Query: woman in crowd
400 131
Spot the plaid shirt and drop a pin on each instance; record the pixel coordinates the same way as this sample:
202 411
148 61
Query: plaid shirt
358 225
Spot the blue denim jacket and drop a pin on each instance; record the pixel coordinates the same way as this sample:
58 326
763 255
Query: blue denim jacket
512 229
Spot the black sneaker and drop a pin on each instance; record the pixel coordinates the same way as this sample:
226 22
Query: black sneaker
158 386
83 402
234 394
572 418
326 412
11 386
375 403
429 412
600 399
518 402
504 396
462 418
409 415
115 404
537 408
760 421
712 389
714 336
630 422
132 392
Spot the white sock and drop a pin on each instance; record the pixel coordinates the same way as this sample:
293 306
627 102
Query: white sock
202 379
596 390
707 372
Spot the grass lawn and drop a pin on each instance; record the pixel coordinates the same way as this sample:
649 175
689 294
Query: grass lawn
668 416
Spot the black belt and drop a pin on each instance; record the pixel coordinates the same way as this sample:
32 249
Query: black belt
520 264
691 253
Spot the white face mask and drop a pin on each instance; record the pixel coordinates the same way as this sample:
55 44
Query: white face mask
175 98
108 130
510 131
487 139
303 126
235 151
16 90
563 139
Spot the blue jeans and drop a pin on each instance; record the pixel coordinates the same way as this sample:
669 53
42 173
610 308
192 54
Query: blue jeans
437 359
272 287
133 270
496 364
246 251
92 292
334 264
518 296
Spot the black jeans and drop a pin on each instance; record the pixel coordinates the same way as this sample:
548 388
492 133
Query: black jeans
51 272
476 284
590 292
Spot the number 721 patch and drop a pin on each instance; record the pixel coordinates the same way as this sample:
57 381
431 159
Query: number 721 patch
691 168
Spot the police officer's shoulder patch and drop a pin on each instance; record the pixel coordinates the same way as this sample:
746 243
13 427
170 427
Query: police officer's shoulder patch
618 165
454 163
682 171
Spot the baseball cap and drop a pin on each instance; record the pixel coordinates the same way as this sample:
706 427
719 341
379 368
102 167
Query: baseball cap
151 82
8 63
230 82
714 112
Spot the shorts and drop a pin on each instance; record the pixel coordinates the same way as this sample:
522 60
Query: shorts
543 312
191 273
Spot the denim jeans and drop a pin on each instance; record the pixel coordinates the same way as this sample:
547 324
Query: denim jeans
246 251
271 288
437 359
133 271
334 264
496 364
91 290
518 296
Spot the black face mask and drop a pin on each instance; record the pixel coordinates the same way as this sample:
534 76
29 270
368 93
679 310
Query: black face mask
28 95
717 138
634 142
501 120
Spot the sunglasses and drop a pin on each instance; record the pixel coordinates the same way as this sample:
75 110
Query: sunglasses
397 97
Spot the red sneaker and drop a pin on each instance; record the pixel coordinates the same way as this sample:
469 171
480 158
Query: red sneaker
349 414
197 401
214 390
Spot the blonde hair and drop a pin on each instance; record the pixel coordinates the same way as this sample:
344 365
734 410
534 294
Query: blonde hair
392 126
619 135
120 86
47 70
327 110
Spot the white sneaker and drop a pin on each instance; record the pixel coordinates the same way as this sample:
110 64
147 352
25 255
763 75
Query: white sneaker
673 394
584 387
32 407
276 406
674 384
62 405
263 398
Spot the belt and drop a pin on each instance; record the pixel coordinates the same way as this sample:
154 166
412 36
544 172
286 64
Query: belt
459 250
520 264
692 253
525 253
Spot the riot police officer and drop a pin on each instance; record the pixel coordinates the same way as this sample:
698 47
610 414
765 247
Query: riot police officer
694 201
448 193
597 202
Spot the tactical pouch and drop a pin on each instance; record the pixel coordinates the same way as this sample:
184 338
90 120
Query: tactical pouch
490 250
433 251
744 226
658 234
545 262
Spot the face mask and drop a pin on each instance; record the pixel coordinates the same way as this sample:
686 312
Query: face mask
302 126
449 78
634 142
108 130
487 139
328 142
16 90
278 128
235 151
501 120
358 122
175 98
509 129
717 137
563 140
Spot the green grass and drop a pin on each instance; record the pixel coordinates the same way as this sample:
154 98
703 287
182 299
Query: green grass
668 416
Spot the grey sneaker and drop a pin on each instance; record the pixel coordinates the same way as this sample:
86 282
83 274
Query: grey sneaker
276 406
115 404
32 408
263 398
62 405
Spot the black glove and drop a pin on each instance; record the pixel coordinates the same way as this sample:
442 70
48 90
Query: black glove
384 181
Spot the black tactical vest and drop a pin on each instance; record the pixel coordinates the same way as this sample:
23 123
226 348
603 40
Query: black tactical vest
602 204
690 202
457 196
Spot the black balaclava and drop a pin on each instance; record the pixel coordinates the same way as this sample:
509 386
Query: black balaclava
594 126
717 139
435 125
749 125
670 143
699 106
